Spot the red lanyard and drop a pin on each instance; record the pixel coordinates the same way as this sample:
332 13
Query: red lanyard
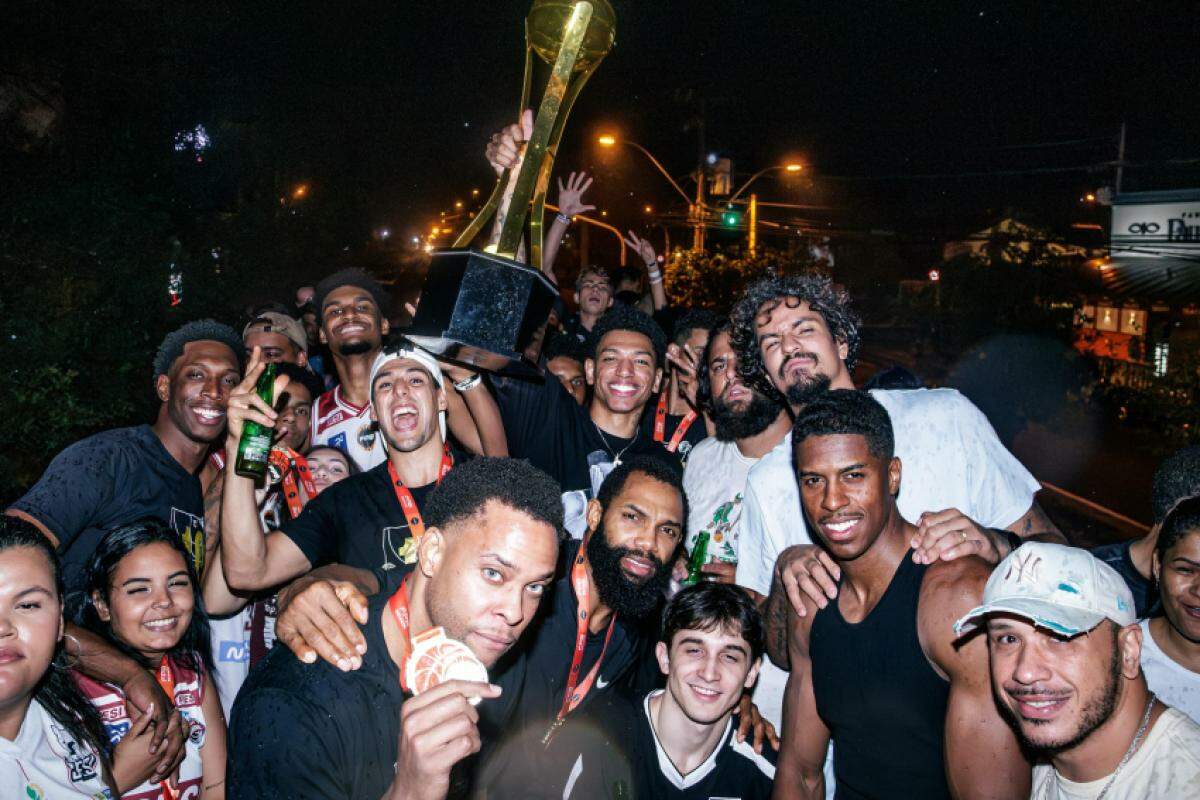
412 514
660 424
166 681
576 691
398 604
292 465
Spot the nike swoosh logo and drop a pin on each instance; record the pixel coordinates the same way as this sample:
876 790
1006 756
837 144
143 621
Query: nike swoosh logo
600 682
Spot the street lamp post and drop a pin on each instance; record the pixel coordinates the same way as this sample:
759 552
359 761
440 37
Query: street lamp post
695 208
790 167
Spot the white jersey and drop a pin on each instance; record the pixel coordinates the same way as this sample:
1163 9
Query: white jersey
337 423
714 482
47 763
950 457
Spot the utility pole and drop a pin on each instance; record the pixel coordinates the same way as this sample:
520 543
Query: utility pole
698 210
753 224
1120 159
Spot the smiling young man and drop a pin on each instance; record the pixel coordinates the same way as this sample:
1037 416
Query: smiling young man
677 743
594 297
88 489
579 446
796 338
1064 648
482 568
352 311
878 671
367 521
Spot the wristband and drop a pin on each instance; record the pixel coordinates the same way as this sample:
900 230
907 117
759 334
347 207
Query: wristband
655 277
467 384
563 218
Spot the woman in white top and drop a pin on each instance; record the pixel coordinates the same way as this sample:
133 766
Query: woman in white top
1171 642
52 742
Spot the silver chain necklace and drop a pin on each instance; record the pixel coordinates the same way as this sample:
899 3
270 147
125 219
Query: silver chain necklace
1133 746
616 456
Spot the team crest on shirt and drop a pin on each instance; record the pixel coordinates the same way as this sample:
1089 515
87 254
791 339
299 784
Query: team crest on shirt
191 532
366 436
685 447
394 556
81 762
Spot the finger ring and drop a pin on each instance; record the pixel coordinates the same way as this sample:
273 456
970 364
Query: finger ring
963 534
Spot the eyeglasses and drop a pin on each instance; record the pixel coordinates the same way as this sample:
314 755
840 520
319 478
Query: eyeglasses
596 285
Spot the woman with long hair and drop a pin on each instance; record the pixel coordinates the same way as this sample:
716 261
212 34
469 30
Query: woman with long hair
52 743
142 595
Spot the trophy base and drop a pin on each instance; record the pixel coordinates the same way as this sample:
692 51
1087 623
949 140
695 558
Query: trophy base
482 310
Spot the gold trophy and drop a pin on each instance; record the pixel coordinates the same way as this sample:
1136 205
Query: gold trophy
484 308
573 37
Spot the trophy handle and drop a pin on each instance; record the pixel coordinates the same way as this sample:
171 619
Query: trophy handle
538 210
533 165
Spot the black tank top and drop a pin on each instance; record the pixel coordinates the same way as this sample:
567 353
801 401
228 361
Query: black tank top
880 698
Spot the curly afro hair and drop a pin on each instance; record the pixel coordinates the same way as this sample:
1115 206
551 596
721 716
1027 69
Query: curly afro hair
201 330
846 411
765 295
626 318
350 277
564 345
1177 477
467 488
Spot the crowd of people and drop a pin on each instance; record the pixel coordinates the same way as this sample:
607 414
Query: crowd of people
695 561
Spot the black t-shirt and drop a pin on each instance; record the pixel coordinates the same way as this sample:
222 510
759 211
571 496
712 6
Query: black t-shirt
1117 555
357 521
547 649
696 432
573 326
108 480
545 425
613 752
302 731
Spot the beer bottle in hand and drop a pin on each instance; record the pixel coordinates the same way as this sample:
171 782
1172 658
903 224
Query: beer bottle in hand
254 447
698 559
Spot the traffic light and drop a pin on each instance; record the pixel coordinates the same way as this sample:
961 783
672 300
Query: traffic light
731 218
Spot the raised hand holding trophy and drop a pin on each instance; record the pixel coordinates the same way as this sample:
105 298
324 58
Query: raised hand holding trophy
483 308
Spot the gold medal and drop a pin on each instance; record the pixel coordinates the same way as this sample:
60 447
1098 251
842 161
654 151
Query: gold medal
436 658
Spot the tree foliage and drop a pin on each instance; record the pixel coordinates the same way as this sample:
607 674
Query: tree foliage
715 280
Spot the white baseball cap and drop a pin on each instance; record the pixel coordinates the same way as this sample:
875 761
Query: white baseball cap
1065 590
411 353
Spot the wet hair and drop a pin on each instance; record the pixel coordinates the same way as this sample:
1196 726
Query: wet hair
57 691
351 466
467 488
649 466
302 376
692 319
564 345
846 412
1177 477
350 277
201 330
709 606
626 318
766 295
1181 520
193 650
703 384
599 272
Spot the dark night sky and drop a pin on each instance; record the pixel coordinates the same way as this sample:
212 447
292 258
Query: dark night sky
392 102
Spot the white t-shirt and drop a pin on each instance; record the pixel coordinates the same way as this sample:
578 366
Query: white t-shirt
47 763
950 458
1165 767
714 481
1175 684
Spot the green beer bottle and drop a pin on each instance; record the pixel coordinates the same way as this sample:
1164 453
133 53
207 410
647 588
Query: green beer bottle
255 445
698 559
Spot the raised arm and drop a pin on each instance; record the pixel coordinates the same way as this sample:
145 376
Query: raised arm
250 560
983 758
482 414
800 773
646 250
570 203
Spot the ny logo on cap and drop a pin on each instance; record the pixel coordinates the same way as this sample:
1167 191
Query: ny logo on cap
1026 566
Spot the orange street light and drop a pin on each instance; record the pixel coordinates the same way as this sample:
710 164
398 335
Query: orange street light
474 193
607 139
793 167
300 192
458 203
648 209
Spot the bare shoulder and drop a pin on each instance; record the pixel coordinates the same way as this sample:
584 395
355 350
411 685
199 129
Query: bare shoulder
949 590
955 583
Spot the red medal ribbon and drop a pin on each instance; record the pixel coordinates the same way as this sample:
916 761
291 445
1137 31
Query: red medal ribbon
412 514
660 424
577 691
398 605
166 681
293 466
